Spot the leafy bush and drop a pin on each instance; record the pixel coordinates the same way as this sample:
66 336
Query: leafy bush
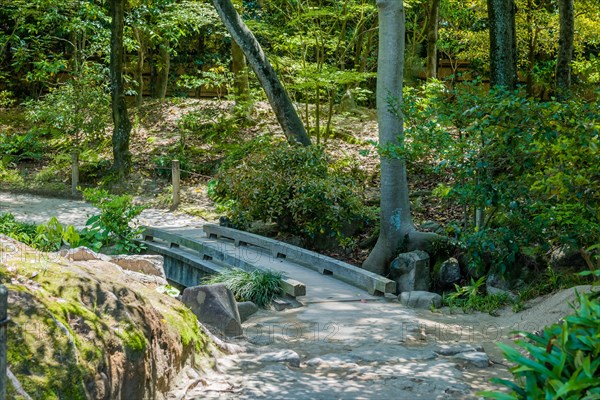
259 287
294 187
524 171
46 237
562 363
114 223
17 147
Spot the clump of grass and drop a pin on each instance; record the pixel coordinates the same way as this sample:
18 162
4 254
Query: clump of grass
259 287
472 297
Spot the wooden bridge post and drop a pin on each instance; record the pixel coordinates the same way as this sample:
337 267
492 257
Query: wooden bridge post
3 321
175 172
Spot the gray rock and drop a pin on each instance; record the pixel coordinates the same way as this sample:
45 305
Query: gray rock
420 299
494 285
283 356
246 309
214 305
474 358
411 271
566 257
83 254
452 350
145 264
449 272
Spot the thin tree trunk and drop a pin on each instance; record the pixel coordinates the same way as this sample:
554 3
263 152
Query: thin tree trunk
163 72
139 70
122 125
432 37
503 43
286 114
240 72
565 47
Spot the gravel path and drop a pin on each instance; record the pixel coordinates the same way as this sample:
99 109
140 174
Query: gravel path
38 209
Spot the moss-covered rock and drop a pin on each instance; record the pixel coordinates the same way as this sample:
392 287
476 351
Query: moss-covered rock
86 330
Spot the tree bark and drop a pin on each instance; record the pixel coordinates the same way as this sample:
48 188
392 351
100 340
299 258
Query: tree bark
566 14
432 37
240 72
163 72
284 110
503 43
122 125
397 228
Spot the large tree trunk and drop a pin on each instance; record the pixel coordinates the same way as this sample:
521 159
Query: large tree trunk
503 43
397 227
122 125
432 37
278 98
565 47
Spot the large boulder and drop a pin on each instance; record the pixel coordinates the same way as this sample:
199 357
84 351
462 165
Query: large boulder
214 305
411 271
87 329
449 273
420 299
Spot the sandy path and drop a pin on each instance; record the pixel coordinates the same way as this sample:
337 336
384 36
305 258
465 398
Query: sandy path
38 209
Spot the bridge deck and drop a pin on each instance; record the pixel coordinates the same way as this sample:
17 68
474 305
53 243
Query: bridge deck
319 288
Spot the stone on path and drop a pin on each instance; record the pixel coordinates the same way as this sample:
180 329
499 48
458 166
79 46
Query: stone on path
420 299
411 271
214 305
475 358
246 309
283 356
454 349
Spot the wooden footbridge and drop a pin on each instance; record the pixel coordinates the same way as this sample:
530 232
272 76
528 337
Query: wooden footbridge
191 254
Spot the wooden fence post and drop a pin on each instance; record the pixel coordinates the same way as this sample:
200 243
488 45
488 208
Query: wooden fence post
74 172
3 322
175 179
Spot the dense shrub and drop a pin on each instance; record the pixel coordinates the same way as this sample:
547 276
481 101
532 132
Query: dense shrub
297 188
528 169
562 363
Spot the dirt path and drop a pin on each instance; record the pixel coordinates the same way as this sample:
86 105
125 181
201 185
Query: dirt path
38 209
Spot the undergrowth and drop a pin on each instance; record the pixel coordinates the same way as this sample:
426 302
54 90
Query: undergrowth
259 287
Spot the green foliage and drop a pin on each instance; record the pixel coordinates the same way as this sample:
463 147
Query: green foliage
78 108
259 287
46 237
296 188
15 147
472 297
114 224
562 363
525 168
